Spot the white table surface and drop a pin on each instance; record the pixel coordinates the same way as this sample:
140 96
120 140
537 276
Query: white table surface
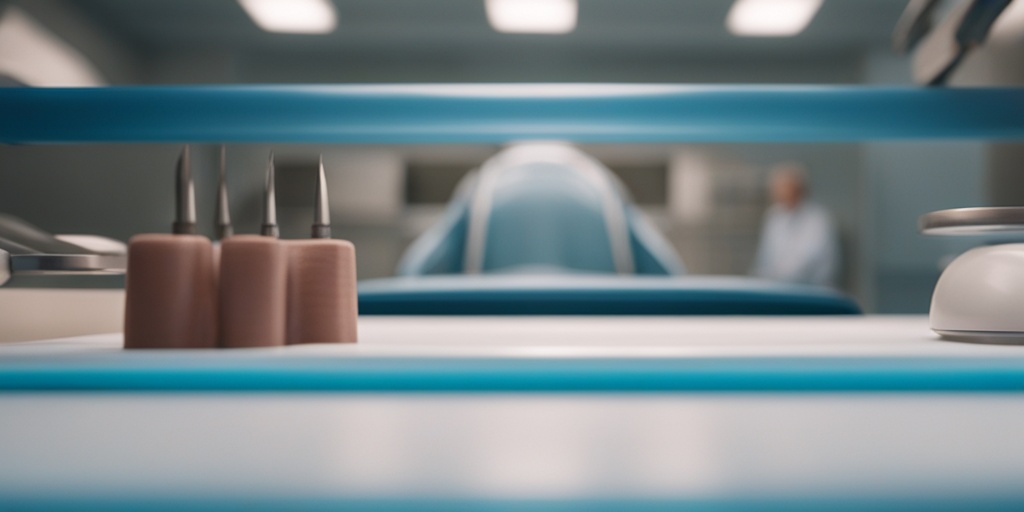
597 336
529 446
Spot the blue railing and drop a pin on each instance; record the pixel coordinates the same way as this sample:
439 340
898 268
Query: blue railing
217 372
398 114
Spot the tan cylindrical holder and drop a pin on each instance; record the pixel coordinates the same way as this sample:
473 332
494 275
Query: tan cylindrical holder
322 301
170 292
253 289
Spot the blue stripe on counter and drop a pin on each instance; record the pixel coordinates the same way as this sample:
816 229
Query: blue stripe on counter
303 503
596 295
180 371
497 113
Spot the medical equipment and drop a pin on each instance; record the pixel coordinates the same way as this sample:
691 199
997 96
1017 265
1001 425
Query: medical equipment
940 50
253 282
27 250
978 296
184 196
222 223
321 214
269 225
171 287
322 300
545 229
253 288
247 291
545 207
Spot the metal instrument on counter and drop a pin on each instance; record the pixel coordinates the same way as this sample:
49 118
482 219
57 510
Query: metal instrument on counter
27 250
978 296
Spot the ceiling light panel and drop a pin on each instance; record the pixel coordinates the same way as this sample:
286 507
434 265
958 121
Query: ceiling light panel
771 18
532 16
292 16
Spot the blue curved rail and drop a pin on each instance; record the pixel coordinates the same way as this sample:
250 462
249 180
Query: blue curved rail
198 372
396 114
500 294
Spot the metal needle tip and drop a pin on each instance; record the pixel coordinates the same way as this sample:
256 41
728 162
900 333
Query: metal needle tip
185 197
223 222
321 209
269 227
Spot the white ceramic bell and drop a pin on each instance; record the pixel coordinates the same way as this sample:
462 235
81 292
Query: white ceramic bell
980 296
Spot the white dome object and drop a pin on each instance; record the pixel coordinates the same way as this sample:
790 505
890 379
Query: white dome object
980 296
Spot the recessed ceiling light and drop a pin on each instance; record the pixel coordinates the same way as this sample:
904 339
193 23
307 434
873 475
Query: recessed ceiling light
31 54
292 16
532 16
772 18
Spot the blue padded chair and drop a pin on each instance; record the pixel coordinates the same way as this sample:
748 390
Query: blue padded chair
541 208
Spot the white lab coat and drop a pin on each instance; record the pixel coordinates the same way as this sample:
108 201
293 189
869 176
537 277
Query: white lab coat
798 245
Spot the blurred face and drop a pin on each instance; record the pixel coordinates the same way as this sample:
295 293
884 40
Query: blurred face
787 190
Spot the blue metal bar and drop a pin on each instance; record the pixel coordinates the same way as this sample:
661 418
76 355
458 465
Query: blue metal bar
395 114
215 371
920 501
597 295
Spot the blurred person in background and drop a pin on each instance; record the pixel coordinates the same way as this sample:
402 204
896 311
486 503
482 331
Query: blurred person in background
798 238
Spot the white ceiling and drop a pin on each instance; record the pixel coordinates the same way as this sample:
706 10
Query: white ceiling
450 40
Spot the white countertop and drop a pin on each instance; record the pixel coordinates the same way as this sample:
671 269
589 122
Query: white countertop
528 446
617 336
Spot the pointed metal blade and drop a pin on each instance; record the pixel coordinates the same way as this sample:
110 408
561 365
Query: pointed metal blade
223 222
185 197
321 208
269 227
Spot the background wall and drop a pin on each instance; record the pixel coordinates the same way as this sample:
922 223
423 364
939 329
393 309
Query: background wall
875 190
